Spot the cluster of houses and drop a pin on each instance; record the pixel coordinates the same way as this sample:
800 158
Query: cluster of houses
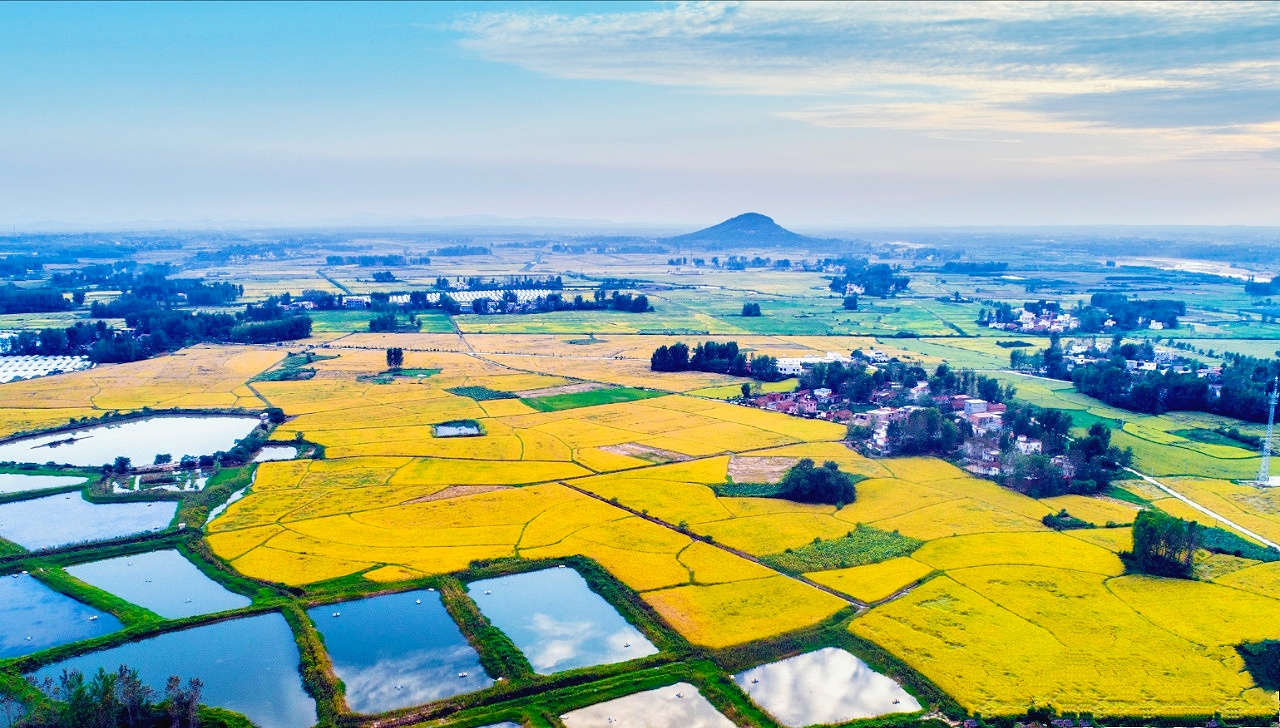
1045 322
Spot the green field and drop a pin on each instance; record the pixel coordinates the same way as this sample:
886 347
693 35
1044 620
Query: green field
610 395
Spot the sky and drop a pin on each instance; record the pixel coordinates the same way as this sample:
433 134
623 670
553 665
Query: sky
820 115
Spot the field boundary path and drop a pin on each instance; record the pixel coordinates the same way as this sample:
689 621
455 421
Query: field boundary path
1203 509
741 554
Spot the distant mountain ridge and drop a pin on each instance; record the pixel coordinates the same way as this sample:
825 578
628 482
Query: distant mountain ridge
749 228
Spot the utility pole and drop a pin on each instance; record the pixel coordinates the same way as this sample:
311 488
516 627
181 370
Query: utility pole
1264 473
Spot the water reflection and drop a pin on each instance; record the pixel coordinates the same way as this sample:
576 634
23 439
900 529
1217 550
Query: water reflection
675 705
557 621
398 650
272 453
18 482
139 440
826 686
247 665
162 581
34 617
60 520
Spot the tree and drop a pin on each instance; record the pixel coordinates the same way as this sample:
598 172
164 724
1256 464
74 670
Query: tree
746 390
750 309
163 458
805 483
395 357
765 368
122 465
851 302
1164 545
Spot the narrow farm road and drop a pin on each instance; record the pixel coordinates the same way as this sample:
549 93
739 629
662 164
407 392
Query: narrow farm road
1204 510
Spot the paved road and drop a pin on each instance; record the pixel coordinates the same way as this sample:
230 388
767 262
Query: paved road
1204 510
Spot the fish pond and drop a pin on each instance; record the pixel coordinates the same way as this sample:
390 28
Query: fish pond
249 665
557 621
272 453
20 483
675 705
139 440
397 650
825 686
163 581
34 617
457 428
63 519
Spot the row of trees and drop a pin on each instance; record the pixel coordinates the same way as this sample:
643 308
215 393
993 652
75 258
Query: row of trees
1242 389
114 700
714 357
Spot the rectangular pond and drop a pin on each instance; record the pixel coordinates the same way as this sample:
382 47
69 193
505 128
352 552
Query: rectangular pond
34 617
825 686
272 453
163 581
675 705
67 518
20 483
249 665
557 621
397 650
139 440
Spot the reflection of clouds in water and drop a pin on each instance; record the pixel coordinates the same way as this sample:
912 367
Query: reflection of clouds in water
651 709
422 676
556 641
566 644
825 686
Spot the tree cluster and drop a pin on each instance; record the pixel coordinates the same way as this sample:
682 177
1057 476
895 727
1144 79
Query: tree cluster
1245 388
32 300
395 357
114 700
926 431
714 357
750 309
1163 545
878 279
1263 288
805 483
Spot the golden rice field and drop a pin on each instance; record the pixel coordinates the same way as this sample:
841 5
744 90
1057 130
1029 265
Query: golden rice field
995 608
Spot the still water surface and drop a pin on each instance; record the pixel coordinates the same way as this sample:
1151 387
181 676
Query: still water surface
67 518
139 440
398 650
17 482
249 665
557 621
34 617
162 581
825 686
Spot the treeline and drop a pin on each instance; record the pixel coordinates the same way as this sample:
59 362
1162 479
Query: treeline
18 266
1241 391
716 358
857 381
1263 288
372 261
154 331
879 279
120 700
458 250
1129 313
477 283
32 300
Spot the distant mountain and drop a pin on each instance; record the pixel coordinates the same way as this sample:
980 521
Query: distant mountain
748 229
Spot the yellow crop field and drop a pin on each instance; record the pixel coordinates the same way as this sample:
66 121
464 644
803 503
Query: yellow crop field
1201 612
412 343
580 433
883 498
874 582
640 570
565 519
462 472
762 535
391 574
924 470
670 501
747 507
1262 579
603 461
711 565
625 372
956 518
1116 540
980 650
848 460
1047 548
1098 511
1175 507
15 420
233 544
992 494
505 408
1257 509
724 615
287 567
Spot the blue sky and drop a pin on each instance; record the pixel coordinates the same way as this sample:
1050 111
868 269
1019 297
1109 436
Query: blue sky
818 114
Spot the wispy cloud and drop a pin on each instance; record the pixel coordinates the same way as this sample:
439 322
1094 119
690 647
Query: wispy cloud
1175 80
